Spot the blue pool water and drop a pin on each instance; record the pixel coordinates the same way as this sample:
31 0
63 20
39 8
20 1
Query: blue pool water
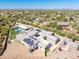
18 29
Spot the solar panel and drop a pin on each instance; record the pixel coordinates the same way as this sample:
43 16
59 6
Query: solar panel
29 41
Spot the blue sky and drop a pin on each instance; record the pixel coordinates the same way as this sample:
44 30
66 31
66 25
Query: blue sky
39 4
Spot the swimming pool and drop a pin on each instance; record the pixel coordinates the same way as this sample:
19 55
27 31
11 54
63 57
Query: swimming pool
18 29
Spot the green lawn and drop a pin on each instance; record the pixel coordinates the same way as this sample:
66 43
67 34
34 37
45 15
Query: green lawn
13 34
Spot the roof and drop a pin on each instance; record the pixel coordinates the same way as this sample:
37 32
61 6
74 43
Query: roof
63 23
48 46
44 33
21 36
43 43
44 23
23 26
32 32
51 37
48 34
37 20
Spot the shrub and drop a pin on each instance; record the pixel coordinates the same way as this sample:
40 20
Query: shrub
76 37
70 35
46 51
36 24
59 27
53 24
62 33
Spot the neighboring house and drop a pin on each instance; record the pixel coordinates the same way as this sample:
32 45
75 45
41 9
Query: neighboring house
37 20
23 26
44 23
63 25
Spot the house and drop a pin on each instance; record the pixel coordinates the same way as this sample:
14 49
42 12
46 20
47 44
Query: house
44 23
23 26
63 25
38 39
37 20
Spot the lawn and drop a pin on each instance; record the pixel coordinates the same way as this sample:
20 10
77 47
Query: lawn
13 34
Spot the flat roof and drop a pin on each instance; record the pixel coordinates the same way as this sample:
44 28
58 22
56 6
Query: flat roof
43 43
51 37
23 26
32 32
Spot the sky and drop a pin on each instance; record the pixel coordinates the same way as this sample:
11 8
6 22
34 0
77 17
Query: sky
39 4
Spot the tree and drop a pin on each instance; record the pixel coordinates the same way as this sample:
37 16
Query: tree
36 24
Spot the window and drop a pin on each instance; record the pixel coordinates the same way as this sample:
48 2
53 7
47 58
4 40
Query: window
57 40
39 30
65 43
45 37
36 35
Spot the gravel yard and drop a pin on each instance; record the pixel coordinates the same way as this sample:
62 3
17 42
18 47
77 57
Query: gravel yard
19 51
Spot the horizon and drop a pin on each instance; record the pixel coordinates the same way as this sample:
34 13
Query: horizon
39 4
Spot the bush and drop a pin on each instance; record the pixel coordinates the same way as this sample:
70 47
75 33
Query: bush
36 24
53 24
13 33
62 33
55 30
76 37
59 27
70 35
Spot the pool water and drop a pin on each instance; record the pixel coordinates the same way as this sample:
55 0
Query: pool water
18 29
